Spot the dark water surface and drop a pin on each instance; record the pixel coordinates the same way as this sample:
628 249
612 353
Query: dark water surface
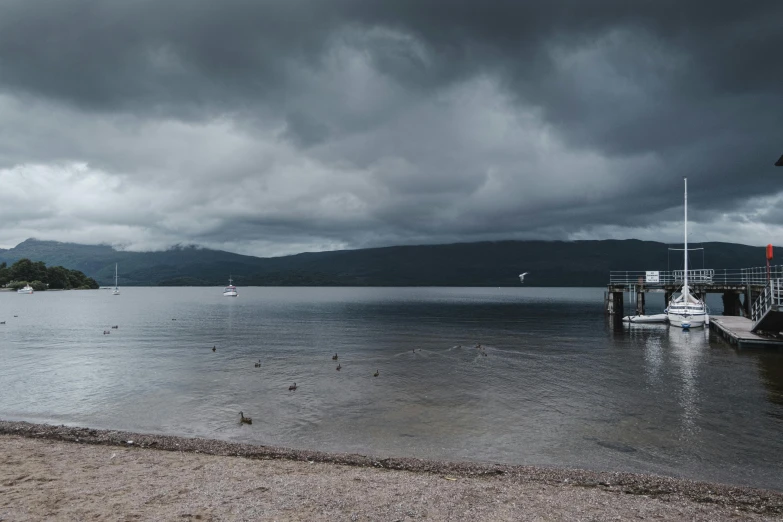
559 385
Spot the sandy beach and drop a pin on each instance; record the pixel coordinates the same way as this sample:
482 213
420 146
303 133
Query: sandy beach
66 473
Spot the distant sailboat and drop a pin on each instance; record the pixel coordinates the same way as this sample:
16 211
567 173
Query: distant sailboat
116 286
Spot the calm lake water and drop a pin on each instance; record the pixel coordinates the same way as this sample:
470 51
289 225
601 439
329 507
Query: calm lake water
559 385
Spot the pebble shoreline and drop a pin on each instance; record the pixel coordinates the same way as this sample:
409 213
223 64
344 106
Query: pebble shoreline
764 502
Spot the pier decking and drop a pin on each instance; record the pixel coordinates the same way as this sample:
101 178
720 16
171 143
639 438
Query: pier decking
737 331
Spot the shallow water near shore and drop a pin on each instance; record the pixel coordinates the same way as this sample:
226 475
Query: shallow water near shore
559 384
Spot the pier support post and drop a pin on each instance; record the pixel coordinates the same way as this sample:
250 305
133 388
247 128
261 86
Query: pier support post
732 304
640 302
614 303
617 303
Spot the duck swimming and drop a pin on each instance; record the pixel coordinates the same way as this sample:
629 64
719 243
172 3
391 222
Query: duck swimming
213 348
258 364
376 373
246 420
334 358
338 367
292 387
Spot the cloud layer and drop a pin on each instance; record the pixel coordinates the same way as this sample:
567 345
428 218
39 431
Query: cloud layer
276 127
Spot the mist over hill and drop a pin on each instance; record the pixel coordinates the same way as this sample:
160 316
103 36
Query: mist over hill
550 263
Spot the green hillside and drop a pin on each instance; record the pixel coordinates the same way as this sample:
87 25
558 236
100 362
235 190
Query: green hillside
550 263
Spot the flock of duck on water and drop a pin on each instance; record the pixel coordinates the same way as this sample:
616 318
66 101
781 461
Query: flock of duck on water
293 387
249 420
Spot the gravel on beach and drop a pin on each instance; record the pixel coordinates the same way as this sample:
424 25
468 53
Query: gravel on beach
68 473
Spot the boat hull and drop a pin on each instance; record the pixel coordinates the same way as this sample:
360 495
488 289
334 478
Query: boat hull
688 321
646 319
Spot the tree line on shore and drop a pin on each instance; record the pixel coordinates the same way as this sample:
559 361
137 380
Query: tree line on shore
41 277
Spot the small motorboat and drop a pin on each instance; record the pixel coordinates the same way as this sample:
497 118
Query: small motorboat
655 318
230 290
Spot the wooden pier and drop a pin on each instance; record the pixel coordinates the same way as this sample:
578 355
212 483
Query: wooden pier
740 288
754 320
736 330
738 298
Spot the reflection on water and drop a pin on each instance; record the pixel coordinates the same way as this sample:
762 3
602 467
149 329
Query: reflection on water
653 358
687 348
554 382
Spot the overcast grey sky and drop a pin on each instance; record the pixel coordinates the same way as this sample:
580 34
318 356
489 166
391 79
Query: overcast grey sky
275 127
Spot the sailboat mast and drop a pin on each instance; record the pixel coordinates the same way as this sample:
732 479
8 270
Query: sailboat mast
685 286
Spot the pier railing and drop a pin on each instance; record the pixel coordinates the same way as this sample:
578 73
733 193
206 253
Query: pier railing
756 276
772 295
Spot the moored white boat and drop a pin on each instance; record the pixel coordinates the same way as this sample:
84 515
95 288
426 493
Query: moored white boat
230 290
654 318
27 289
686 310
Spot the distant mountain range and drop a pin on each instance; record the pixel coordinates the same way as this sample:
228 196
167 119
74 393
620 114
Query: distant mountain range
550 263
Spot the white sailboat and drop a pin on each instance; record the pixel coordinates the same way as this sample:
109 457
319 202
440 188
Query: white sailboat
27 289
116 290
230 290
686 310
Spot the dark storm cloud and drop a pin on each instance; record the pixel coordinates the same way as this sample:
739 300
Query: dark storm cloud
350 123
114 53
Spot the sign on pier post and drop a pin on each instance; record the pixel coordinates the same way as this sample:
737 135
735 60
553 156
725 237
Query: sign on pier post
653 276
